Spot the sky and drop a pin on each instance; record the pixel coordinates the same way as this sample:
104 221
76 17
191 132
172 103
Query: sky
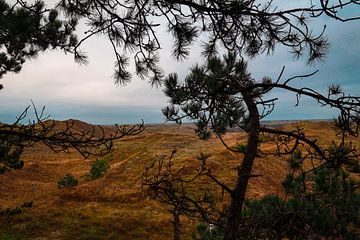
88 93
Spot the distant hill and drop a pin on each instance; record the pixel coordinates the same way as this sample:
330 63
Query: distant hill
79 127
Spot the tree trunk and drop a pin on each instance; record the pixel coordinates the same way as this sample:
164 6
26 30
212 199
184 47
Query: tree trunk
244 171
177 225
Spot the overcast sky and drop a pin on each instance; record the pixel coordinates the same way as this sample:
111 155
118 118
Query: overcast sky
88 92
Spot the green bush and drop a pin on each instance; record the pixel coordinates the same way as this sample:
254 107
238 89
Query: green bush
328 209
67 181
98 168
242 147
203 232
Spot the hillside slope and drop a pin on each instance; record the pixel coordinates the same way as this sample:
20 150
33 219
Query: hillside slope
115 206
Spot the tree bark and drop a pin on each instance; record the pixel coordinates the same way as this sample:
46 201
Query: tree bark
244 170
177 225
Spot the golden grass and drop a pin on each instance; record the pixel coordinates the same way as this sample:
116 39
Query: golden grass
114 206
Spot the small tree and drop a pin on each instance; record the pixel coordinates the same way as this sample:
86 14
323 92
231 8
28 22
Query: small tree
98 168
67 181
172 186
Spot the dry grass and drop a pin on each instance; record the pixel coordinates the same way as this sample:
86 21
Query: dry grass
114 206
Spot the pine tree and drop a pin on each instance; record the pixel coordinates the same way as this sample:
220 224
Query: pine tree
248 27
222 94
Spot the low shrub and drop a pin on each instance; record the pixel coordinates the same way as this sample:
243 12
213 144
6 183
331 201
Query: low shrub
242 147
67 181
98 168
10 237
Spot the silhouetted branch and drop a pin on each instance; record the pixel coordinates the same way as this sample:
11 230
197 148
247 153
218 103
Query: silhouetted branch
172 186
63 136
247 27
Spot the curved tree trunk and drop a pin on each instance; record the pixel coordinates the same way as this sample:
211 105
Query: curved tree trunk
244 170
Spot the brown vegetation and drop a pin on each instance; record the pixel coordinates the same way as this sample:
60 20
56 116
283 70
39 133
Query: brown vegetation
115 206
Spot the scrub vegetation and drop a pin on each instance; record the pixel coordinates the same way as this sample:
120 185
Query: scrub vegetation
117 206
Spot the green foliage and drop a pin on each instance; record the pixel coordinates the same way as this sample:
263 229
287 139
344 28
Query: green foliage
203 134
203 232
242 147
322 204
243 26
9 237
342 155
10 155
342 123
295 159
27 29
355 168
98 168
209 95
319 205
67 181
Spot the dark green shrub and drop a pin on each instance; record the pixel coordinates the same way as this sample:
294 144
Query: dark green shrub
204 134
98 168
10 155
8 212
11 212
205 232
27 204
242 147
10 237
327 206
67 181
